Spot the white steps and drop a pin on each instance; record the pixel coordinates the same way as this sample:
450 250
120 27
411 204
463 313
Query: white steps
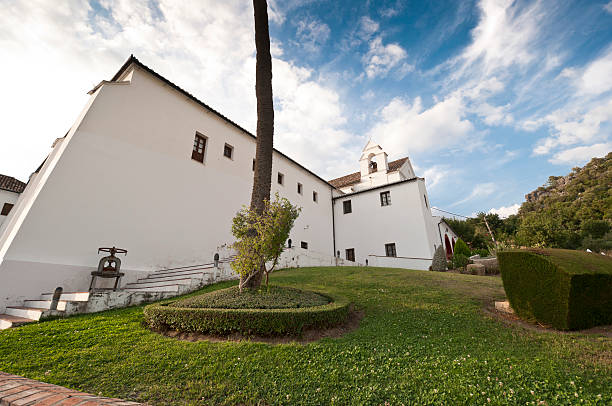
158 285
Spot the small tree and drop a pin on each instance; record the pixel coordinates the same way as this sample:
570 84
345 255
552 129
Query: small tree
272 228
461 248
439 260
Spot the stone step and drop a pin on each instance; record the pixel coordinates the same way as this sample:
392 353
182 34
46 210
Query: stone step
165 272
154 288
145 284
25 312
45 304
192 275
8 321
68 296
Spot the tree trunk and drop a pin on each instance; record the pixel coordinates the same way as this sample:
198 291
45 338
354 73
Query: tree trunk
262 178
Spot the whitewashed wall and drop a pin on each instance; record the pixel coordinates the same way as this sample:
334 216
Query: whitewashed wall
124 176
7 197
370 226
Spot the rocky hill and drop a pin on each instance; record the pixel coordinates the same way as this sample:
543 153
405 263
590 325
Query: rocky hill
586 191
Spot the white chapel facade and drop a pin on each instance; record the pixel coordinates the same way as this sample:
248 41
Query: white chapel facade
150 168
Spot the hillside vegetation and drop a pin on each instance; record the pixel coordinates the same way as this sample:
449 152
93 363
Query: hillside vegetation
572 211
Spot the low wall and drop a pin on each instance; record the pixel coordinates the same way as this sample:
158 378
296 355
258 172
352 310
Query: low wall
422 264
296 257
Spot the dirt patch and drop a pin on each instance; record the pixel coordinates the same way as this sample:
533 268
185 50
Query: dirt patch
308 336
513 319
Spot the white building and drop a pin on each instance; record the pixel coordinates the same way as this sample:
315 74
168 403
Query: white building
10 189
150 168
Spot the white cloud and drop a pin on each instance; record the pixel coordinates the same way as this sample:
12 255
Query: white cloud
608 7
312 34
503 37
571 127
505 211
478 192
581 155
404 127
597 77
435 175
381 59
57 51
367 27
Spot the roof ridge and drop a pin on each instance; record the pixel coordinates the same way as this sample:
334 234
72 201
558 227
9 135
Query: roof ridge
355 177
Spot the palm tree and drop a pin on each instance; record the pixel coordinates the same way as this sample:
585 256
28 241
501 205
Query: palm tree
265 120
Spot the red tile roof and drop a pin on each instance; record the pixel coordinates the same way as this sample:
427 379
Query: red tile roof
353 178
11 184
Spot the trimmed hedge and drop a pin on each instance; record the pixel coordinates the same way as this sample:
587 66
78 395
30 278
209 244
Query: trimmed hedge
567 289
261 322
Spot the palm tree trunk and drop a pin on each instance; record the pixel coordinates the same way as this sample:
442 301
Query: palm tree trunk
265 120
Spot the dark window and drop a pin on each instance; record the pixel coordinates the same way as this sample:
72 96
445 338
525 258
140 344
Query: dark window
289 243
304 245
346 205
299 188
373 166
281 179
6 209
350 254
315 196
253 164
385 199
425 198
228 151
199 146
390 250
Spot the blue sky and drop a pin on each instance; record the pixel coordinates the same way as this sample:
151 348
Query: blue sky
488 98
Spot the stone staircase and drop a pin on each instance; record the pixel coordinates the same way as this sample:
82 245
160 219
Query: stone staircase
158 285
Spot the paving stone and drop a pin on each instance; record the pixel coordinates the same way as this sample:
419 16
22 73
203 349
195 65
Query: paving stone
30 399
51 400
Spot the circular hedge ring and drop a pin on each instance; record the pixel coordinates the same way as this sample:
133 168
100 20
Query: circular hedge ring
260 322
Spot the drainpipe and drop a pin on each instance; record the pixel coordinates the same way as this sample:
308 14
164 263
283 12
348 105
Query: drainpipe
333 220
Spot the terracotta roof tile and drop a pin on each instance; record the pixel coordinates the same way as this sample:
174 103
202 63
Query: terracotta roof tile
353 178
11 184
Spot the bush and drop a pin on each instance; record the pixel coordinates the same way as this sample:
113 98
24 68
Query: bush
460 261
262 322
566 289
439 260
461 248
481 251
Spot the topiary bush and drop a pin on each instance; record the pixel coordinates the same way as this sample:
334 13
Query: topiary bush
461 248
566 289
260 322
439 260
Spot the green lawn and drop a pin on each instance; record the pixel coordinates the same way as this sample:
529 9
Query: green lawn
424 340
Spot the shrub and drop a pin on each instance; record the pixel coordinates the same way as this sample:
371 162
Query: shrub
566 289
262 322
461 248
481 251
439 260
460 261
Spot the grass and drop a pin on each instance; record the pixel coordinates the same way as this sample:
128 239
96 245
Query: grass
272 297
424 340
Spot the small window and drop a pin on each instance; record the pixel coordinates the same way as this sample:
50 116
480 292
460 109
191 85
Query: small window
299 188
281 179
199 147
253 164
228 151
346 205
6 209
390 250
289 243
385 199
373 166
425 198
315 197
350 254
304 245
